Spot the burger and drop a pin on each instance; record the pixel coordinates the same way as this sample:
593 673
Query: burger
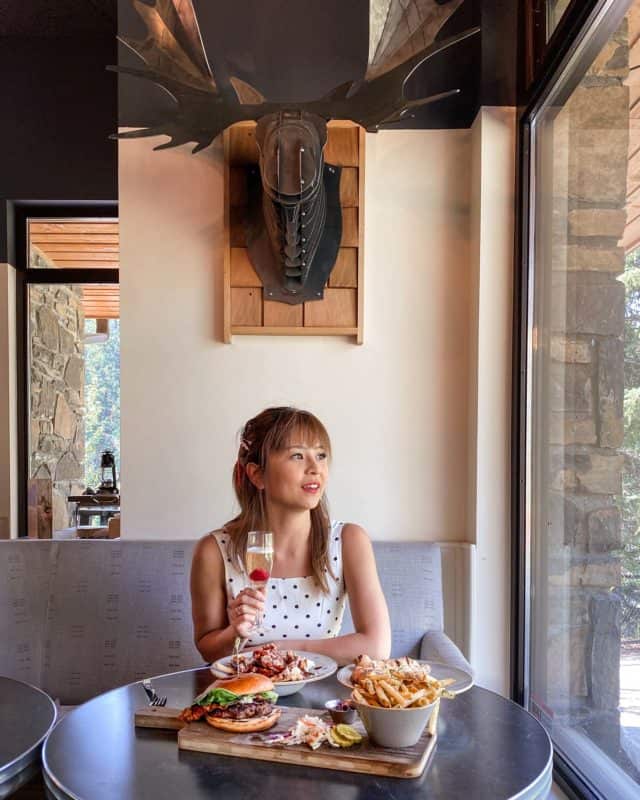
242 704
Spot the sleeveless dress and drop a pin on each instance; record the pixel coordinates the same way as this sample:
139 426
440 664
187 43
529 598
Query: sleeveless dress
295 608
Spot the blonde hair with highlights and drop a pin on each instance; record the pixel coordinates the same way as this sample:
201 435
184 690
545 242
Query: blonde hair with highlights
272 430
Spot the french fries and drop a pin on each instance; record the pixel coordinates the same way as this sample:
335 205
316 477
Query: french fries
396 683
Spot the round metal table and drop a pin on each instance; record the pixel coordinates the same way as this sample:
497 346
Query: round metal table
27 715
488 747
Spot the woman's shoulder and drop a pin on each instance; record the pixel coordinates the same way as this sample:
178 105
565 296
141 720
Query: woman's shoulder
353 531
356 543
209 546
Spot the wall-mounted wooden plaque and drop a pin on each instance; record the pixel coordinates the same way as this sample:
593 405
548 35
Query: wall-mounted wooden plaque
340 312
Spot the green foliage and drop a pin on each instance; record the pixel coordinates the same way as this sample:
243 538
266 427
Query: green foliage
632 418
631 280
631 479
102 403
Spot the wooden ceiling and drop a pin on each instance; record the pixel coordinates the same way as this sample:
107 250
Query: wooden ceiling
631 237
79 244
75 244
101 301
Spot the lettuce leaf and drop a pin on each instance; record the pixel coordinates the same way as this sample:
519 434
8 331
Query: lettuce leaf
223 697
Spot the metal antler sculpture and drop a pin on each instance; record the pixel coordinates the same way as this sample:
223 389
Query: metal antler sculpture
294 220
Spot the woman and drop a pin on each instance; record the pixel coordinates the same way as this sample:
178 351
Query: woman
280 479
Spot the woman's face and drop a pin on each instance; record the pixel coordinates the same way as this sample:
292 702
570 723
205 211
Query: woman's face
296 476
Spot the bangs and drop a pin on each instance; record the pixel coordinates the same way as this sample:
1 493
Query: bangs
298 427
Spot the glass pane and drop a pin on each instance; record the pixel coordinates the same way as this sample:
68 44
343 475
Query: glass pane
555 11
73 243
74 387
585 419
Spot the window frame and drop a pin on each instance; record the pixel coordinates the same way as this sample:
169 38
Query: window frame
25 277
576 41
542 57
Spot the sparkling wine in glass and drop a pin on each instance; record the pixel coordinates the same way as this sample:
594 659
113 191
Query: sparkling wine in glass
259 562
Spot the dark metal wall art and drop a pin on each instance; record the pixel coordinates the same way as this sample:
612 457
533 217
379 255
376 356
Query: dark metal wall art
293 225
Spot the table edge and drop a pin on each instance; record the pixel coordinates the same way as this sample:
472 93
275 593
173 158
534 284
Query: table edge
61 792
31 754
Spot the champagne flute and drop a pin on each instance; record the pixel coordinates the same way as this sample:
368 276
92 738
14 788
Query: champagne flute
259 562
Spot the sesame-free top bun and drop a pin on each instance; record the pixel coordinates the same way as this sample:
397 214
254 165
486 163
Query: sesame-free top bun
248 683
245 725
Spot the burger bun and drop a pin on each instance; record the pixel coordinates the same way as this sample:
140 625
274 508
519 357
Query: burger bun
247 683
245 725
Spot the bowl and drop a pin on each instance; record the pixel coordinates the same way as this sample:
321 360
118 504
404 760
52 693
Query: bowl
338 716
394 727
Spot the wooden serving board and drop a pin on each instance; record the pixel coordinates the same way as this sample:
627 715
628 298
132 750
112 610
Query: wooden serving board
407 762
158 717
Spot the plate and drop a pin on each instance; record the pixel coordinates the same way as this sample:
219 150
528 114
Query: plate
463 680
325 667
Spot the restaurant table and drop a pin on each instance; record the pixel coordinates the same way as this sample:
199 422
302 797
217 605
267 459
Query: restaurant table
488 747
27 715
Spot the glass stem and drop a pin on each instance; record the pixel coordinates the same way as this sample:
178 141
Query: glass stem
257 622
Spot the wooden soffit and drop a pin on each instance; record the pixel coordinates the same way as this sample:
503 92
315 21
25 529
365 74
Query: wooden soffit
75 244
101 301
80 244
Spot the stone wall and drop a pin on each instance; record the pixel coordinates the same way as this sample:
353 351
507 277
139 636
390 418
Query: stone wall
57 389
584 391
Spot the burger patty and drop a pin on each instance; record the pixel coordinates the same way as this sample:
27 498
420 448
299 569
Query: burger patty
260 708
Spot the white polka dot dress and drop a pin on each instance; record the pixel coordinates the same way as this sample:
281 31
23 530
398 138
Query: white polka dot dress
296 608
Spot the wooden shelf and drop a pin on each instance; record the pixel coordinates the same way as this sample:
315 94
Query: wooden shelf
262 330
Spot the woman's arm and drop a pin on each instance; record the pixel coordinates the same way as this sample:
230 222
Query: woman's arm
212 632
368 606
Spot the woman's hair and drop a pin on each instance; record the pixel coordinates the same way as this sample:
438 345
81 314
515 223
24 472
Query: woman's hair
272 430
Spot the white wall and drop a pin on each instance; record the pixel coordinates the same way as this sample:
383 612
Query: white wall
8 420
396 407
491 288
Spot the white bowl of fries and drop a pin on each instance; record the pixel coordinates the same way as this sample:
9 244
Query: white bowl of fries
394 727
396 699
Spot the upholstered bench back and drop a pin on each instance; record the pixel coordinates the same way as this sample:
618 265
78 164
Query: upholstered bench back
410 574
80 617
87 616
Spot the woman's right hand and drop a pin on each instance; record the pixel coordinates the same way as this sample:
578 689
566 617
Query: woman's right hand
242 610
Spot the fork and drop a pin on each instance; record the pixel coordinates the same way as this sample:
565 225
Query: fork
154 698
159 701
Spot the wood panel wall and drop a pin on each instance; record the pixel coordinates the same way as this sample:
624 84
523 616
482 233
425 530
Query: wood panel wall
340 312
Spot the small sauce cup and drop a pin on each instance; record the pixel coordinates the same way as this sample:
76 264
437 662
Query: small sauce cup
341 710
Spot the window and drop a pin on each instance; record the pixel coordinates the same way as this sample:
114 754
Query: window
71 355
582 677
554 12
548 26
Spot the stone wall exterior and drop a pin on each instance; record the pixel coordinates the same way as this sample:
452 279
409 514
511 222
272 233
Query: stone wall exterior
585 388
57 394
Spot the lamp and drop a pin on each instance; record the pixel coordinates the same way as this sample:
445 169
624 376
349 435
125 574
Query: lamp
107 473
